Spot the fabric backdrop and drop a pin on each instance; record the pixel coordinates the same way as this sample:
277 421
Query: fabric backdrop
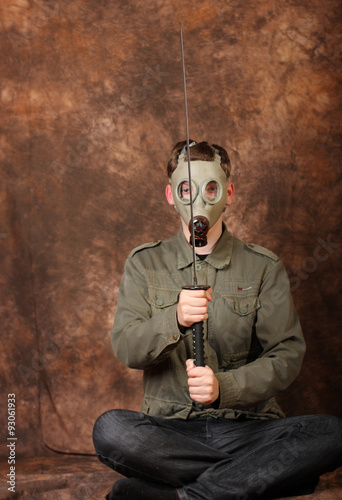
92 103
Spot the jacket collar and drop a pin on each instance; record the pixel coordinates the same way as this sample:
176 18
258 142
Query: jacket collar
219 257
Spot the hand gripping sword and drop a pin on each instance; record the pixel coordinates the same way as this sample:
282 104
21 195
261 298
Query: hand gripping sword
197 328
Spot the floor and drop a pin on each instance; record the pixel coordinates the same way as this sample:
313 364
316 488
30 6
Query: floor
64 477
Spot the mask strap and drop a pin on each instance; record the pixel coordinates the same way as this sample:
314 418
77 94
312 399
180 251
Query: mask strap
181 156
182 153
217 157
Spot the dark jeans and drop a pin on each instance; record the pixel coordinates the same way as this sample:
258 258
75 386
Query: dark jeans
221 459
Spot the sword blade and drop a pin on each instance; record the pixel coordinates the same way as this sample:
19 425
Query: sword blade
188 151
197 328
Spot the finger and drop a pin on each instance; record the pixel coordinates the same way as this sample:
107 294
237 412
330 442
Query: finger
197 302
198 394
198 371
194 293
195 308
196 385
196 318
190 364
190 312
201 399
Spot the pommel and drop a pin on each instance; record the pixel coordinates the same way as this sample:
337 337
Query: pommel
201 228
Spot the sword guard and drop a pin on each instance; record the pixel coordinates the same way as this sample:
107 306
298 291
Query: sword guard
196 287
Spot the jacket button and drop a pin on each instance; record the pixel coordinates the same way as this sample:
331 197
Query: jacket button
243 310
198 267
159 302
174 337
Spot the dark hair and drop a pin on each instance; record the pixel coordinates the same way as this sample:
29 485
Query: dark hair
200 151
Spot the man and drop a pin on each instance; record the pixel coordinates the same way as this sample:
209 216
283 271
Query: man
212 432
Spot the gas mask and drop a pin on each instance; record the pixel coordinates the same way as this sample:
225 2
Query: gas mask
209 194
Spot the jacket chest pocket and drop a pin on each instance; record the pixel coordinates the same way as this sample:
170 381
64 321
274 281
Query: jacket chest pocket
241 296
160 298
243 306
234 322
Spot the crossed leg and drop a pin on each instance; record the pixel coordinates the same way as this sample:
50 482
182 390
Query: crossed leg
220 459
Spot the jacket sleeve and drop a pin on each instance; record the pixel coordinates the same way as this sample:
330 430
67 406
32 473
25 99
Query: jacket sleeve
279 333
139 338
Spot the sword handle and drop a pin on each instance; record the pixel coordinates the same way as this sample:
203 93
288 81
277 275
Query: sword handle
197 332
198 343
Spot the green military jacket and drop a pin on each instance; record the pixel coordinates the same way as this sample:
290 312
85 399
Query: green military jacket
253 339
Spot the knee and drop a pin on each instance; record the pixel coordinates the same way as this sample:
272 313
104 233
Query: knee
332 436
101 431
110 431
325 424
334 427
327 428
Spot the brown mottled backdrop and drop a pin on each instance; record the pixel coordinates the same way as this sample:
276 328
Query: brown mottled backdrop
91 104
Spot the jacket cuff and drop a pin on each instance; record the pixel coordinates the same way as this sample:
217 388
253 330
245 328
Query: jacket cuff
229 389
171 327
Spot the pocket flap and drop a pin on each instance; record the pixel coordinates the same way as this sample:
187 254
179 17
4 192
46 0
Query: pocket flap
161 298
243 305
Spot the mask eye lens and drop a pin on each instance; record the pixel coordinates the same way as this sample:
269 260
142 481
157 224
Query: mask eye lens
184 192
211 191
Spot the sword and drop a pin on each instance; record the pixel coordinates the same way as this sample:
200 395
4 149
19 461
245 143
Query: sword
197 328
